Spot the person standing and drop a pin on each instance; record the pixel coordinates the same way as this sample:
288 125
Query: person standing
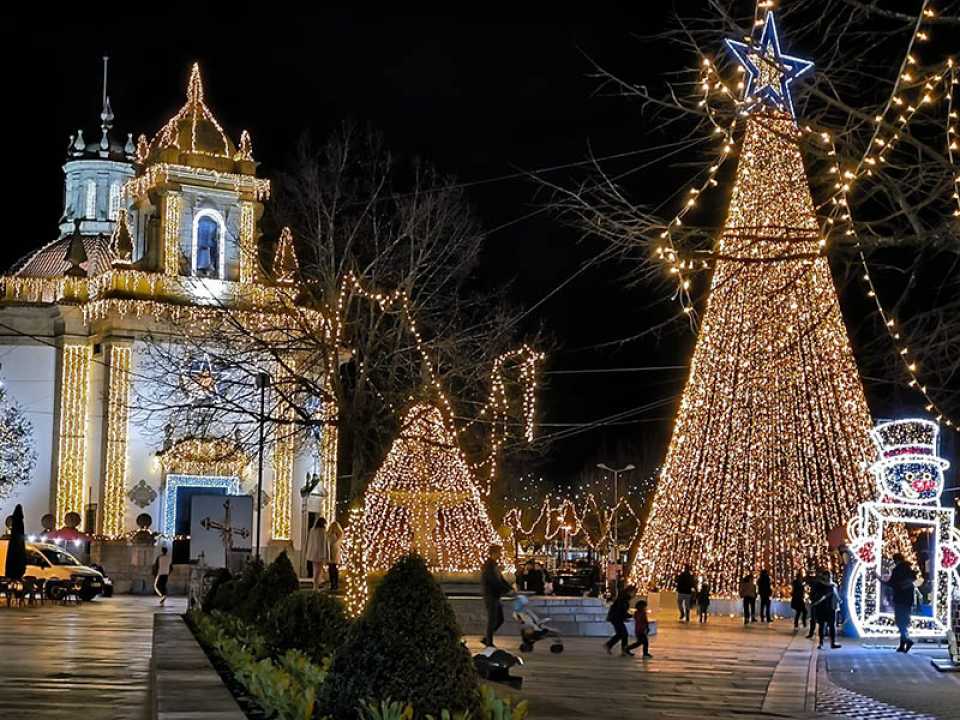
685 585
16 558
617 616
748 592
318 550
334 541
824 608
641 626
703 601
903 583
495 586
765 590
797 601
161 571
813 588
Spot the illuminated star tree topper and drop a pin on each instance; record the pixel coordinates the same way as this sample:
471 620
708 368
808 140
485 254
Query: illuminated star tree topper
769 71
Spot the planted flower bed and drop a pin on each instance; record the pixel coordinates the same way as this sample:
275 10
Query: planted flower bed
293 655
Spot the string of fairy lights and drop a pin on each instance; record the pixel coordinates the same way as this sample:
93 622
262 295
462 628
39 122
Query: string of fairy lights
496 405
115 473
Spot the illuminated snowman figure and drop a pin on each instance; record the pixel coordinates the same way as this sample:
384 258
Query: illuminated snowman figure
909 476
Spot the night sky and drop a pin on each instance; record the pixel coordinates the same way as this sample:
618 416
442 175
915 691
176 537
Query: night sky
478 99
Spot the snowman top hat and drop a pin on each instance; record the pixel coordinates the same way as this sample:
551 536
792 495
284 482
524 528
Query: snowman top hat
911 440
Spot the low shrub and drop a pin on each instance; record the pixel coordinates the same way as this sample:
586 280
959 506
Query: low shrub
220 578
405 646
309 621
273 584
285 690
230 595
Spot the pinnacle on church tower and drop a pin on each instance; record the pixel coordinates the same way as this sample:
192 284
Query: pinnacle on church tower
285 264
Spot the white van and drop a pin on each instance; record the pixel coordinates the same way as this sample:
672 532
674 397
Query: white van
52 562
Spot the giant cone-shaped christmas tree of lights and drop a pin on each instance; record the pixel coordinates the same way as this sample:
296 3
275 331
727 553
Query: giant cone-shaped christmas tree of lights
423 499
768 449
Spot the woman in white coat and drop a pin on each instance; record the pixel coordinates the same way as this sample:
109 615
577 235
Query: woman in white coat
318 550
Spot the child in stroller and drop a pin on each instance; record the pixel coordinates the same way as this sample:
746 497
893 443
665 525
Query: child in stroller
533 628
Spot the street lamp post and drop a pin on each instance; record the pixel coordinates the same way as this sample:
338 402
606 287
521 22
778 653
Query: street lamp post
263 382
616 501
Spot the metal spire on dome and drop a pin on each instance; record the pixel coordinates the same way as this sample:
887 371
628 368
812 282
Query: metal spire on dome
106 115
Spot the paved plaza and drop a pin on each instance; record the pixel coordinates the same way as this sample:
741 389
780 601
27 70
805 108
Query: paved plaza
90 661
93 661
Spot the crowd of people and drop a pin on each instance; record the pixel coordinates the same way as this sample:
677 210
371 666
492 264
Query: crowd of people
814 599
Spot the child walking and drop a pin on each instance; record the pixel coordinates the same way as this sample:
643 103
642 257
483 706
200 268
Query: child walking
640 627
703 601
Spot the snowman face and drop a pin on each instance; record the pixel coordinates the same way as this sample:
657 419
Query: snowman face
912 481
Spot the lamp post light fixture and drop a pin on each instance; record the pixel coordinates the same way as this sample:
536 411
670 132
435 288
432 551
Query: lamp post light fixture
616 501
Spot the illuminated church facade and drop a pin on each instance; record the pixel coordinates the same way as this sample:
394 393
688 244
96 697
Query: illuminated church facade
156 235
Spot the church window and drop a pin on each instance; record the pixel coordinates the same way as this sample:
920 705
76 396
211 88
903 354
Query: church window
208 232
90 200
114 199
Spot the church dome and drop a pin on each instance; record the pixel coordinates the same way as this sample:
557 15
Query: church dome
193 136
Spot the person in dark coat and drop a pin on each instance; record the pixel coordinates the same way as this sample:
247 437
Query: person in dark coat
617 616
16 547
495 586
824 601
797 601
903 583
810 580
748 593
686 584
765 591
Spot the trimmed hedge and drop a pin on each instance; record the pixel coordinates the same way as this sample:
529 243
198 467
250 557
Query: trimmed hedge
406 646
309 621
274 584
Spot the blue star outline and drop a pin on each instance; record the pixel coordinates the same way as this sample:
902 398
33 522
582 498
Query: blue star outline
790 68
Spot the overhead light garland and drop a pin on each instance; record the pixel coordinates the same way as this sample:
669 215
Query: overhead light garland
773 412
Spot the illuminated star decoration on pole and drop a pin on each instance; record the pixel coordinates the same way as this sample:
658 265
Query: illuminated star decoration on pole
770 71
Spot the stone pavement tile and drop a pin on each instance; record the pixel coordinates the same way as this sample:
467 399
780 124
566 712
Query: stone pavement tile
904 681
717 670
57 659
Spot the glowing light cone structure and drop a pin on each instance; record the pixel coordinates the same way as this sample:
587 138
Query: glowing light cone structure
771 440
424 499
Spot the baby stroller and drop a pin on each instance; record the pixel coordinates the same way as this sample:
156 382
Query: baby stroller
533 628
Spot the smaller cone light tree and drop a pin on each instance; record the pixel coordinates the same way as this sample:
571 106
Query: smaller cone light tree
423 499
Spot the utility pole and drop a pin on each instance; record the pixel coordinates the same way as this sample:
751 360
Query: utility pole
263 382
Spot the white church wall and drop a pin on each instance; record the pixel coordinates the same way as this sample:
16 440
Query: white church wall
29 373
143 441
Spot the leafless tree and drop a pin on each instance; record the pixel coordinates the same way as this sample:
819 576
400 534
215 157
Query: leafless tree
385 310
882 73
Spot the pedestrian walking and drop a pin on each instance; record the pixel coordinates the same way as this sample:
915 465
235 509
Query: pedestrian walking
318 551
903 583
765 591
495 586
161 573
641 626
797 601
813 587
617 616
748 592
686 583
703 601
824 607
334 541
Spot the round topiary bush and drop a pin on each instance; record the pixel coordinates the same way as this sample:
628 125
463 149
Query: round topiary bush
273 585
406 646
309 621
230 596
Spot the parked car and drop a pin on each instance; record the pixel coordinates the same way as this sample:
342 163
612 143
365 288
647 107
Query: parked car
52 562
